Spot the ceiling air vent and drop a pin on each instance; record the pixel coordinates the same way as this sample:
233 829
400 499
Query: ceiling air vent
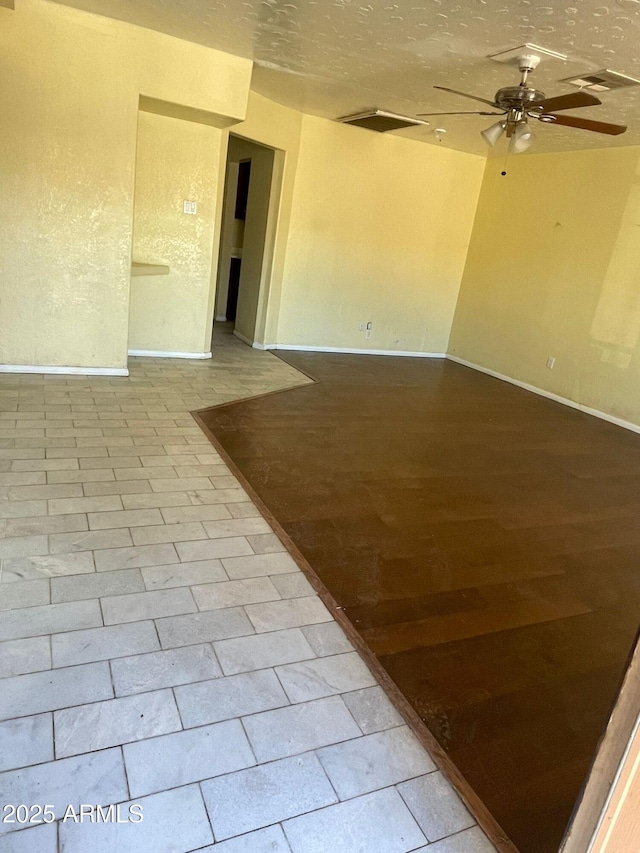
601 81
381 121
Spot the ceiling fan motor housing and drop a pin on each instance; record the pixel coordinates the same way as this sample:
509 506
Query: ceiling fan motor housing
518 97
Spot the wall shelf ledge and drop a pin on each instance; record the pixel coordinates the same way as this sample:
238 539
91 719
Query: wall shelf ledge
140 268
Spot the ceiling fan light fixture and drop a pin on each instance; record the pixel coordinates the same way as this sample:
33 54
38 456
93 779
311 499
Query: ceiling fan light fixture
492 134
518 104
521 139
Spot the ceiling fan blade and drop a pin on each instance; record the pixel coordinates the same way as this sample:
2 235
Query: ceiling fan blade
588 124
568 102
461 114
466 95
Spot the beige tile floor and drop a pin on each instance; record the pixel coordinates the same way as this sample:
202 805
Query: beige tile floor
158 646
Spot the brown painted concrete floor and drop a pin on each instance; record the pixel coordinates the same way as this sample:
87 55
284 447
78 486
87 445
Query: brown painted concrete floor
483 541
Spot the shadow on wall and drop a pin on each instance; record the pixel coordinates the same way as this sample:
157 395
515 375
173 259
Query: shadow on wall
616 322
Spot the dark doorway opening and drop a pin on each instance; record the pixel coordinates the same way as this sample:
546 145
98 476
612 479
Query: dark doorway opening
246 240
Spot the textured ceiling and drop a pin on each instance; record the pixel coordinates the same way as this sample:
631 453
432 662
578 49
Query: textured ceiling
334 57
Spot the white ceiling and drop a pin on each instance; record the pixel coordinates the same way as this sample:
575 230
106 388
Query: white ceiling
336 57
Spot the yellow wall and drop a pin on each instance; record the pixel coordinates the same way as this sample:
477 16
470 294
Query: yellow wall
346 249
380 226
554 270
176 161
69 105
367 227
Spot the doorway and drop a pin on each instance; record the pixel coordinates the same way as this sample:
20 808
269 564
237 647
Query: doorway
240 216
246 237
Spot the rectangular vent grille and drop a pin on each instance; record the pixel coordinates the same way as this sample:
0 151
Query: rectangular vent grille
381 121
602 81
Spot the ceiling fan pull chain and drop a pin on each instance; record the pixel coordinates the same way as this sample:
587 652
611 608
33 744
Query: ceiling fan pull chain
504 164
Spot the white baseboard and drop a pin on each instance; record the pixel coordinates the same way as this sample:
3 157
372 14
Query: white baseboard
612 419
348 351
152 353
52 368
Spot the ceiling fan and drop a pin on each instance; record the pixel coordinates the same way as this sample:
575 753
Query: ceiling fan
518 104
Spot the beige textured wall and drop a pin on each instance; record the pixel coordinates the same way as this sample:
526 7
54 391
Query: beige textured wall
380 226
69 104
554 270
176 161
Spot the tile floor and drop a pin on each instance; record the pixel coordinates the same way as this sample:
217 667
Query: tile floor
158 646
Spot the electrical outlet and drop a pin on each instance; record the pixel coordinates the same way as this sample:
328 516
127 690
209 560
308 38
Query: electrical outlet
190 207
361 327
551 362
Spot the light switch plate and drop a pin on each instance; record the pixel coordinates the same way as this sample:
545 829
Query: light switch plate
190 207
